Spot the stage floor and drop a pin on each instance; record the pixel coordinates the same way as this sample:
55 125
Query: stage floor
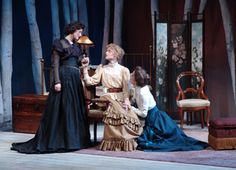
11 160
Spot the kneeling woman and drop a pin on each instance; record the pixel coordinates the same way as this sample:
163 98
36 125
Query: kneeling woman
160 132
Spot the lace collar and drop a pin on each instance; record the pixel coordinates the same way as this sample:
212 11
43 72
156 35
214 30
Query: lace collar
69 42
113 64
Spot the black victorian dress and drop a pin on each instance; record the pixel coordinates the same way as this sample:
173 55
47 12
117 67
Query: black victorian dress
64 126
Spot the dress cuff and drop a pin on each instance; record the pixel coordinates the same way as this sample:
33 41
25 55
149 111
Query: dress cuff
86 76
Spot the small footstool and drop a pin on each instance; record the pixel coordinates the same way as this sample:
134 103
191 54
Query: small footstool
222 133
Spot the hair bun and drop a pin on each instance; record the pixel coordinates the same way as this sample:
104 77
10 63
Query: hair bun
141 76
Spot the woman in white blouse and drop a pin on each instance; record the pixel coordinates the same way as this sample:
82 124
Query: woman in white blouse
160 132
122 126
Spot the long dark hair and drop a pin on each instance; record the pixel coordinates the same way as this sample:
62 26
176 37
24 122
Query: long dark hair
141 76
72 27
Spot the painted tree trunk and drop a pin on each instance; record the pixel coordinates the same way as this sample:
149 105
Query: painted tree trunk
6 65
73 10
55 19
36 48
227 23
118 20
201 7
106 29
154 8
187 8
83 14
1 104
66 11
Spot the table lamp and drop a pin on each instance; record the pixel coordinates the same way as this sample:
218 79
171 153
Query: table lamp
85 43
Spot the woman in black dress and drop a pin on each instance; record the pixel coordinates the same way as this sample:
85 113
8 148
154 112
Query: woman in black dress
64 125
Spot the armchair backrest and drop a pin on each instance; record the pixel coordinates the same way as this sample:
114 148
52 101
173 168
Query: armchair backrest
190 84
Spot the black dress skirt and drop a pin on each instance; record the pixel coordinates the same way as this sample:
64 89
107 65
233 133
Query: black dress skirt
64 125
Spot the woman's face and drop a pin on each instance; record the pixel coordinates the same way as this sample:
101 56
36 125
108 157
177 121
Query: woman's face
77 34
110 55
132 78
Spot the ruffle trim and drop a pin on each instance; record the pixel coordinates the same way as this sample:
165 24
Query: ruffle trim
118 145
222 143
111 118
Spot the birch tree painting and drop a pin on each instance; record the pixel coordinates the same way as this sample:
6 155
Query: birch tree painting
227 23
36 48
55 19
106 29
83 14
6 65
66 11
73 10
118 20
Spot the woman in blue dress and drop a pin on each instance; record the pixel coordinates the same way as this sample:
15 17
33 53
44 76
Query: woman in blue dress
64 125
160 132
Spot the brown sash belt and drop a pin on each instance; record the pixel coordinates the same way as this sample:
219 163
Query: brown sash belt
114 90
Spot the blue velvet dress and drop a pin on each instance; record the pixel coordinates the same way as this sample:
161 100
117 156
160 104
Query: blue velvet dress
161 133
64 125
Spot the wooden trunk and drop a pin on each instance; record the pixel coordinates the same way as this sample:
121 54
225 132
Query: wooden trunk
27 112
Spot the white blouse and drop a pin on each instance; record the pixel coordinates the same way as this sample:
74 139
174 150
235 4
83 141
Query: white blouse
145 101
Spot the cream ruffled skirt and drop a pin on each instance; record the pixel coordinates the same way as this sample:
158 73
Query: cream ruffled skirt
121 128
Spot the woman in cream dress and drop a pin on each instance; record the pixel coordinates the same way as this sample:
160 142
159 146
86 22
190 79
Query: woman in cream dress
122 126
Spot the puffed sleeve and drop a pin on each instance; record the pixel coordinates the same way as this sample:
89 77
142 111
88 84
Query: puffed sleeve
96 78
57 46
57 49
142 109
125 81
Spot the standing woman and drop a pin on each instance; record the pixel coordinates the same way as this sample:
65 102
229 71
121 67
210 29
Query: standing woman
160 132
64 125
122 126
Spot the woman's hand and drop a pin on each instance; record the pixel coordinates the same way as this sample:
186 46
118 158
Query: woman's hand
57 87
126 104
85 61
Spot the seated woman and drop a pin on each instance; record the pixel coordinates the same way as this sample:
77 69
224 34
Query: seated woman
122 126
160 132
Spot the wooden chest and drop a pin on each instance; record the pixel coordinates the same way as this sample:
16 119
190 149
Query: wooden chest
27 112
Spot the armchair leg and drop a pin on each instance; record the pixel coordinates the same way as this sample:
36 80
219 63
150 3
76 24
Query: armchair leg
202 119
191 118
208 116
188 117
181 117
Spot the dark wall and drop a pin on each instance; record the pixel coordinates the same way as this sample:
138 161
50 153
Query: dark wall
96 22
137 28
217 72
22 81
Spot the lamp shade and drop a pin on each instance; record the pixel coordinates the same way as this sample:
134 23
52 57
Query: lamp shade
84 40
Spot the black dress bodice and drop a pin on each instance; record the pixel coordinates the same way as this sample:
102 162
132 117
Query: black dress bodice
64 54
